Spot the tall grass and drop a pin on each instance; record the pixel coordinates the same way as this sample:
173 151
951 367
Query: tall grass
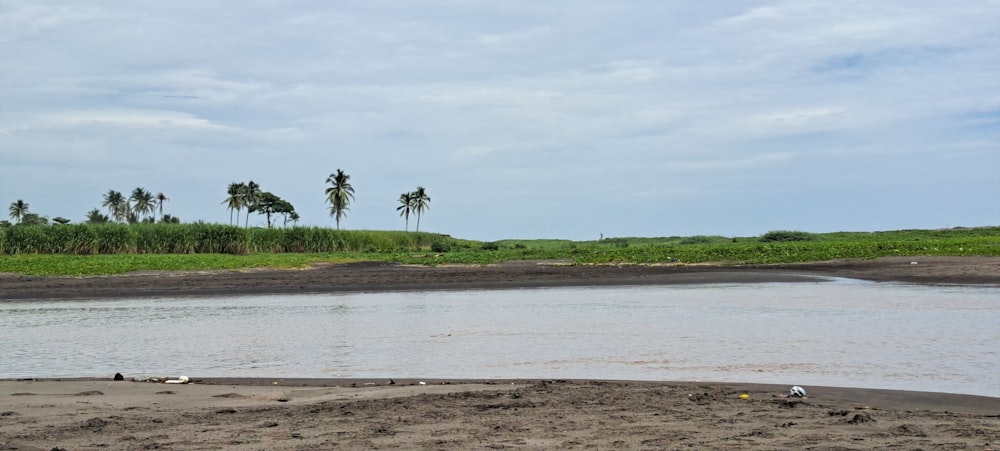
200 238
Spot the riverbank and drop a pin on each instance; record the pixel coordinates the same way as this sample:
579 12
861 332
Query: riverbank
359 277
363 414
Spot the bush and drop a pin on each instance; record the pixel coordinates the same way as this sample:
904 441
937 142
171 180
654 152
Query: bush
441 246
697 239
490 246
786 235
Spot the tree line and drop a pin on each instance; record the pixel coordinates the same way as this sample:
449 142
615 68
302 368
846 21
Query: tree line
142 206
254 200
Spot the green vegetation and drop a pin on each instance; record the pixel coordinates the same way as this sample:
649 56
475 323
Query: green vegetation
80 249
88 265
786 235
732 251
201 238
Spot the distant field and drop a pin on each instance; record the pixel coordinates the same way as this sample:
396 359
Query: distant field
78 250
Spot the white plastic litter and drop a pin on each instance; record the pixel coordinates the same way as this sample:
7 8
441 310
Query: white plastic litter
179 380
797 391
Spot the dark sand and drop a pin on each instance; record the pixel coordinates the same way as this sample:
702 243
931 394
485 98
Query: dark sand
366 414
394 277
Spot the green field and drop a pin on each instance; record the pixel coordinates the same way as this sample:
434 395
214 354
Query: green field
78 250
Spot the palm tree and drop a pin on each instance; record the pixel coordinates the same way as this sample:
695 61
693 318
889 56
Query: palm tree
18 210
117 205
160 199
421 202
143 203
95 217
249 198
339 195
235 199
406 199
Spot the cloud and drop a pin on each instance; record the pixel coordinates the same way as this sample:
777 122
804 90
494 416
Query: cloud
510 112
129 118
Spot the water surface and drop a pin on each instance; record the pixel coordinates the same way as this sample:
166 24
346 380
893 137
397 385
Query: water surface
843 333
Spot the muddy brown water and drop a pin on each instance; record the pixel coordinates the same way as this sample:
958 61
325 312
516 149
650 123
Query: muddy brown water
836 333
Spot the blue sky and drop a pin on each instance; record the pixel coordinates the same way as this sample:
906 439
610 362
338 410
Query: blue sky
555 119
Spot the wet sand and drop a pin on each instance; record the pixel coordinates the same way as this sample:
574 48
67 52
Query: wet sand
497 414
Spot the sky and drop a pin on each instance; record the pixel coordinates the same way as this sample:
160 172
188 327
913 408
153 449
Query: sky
569 119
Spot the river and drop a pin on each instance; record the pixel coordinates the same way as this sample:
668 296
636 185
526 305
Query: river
838 332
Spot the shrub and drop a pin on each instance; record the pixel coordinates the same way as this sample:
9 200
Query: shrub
441 246
786 235
616 242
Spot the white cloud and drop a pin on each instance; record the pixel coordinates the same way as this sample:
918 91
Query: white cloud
129 118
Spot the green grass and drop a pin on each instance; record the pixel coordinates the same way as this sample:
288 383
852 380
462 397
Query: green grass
800 247
89 265
120 248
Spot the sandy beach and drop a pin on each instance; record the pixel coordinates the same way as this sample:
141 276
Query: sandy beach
483 414
356 414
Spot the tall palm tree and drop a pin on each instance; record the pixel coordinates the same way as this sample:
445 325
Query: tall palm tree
235 199
421 202
250 197
406 199
339 195
143 203
160 199
18 210
118 207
